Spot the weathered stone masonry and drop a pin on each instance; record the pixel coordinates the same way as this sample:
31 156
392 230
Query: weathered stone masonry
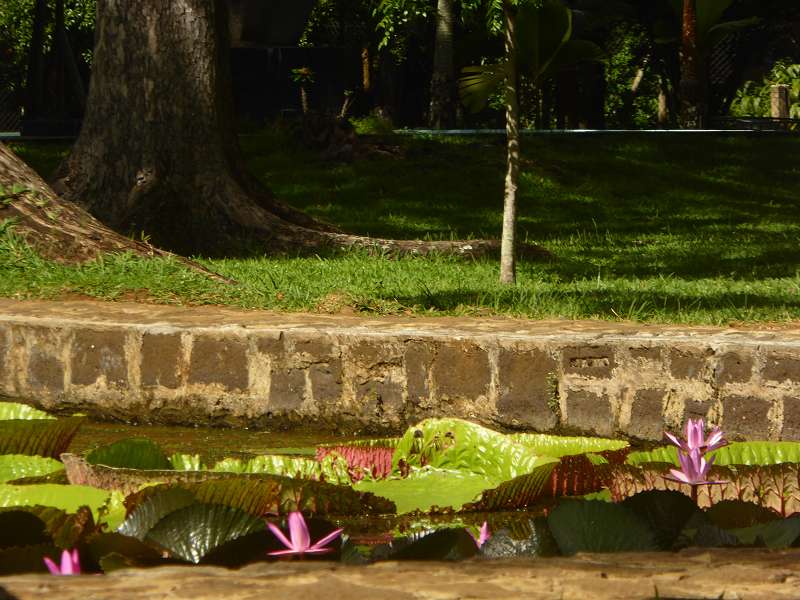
218 366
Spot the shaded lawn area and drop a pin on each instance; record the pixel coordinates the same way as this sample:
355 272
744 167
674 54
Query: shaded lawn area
664 228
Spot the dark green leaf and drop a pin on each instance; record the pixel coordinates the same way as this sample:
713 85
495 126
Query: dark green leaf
594 526
782 533
444 544
190 533
143 516
736 514
666 512
132 453
21 528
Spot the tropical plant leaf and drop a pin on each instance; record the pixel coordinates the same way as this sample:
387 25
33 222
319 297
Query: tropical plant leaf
131 453
428 489
112 551
16 411
271 494
333 470
558 446
190 533
458 445
18 466
521 492
736 514
26 559
444 544
68 498
666 512
594 526
478 83
542 29
571 53
662 454
782 533
144 515
373 461
38 437
757 453
22 528
187 462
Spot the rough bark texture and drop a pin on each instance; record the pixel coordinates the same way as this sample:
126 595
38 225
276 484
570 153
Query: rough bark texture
58 229
508 246
158 151
442 110
691 86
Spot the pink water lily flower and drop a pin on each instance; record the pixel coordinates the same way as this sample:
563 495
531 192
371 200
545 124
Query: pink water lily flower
483 535
70 564
694 468
696 437
299 541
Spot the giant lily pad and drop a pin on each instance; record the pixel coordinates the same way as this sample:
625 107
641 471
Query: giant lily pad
68 498
132 453
558 446
38 437
17 411
757 453
16 466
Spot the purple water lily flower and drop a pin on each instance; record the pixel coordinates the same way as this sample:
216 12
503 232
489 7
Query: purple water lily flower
299 541
483 535
696 437
70 564
694 468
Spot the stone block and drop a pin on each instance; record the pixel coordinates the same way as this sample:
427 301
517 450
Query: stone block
734 367
274 347
326 381
526 394
161 360
45 371
461 369
745 417
5 367
648 353
589 412
782 366
219 361
647 415
418 361
287 389
696 409
589 361
791 419
687 364
369 354
99 353
379 398
318 349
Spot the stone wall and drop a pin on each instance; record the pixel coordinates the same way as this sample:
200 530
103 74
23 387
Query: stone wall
217 366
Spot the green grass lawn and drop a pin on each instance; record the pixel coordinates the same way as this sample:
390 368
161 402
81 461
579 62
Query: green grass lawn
682 229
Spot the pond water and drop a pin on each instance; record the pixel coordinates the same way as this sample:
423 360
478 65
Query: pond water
211 443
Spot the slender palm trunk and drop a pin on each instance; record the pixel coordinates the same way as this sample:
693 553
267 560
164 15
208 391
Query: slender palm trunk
691 88
508 241
442 108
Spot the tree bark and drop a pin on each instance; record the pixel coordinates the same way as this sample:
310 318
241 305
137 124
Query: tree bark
691 85
34 92
57 229
443 90
508 241
158 151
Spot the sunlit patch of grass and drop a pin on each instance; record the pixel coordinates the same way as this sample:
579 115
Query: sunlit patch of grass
664 229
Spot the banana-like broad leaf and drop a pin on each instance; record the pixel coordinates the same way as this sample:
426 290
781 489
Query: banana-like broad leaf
478 83
38 437
132 453
18 466
192 532
594 526
17 411
571 53
541 32
722 30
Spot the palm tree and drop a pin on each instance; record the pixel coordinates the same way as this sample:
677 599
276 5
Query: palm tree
692 92
442 107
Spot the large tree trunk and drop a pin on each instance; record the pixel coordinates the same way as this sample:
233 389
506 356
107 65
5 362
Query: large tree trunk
442 108
57 229
508 266
158 151
692 90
